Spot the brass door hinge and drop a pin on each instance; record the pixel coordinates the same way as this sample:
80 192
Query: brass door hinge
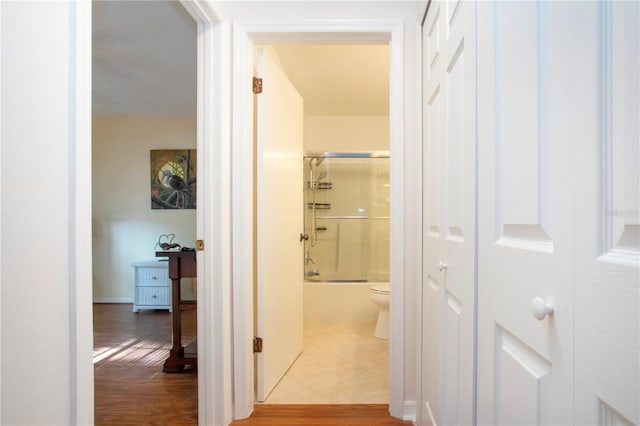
199 245
257 85
257 345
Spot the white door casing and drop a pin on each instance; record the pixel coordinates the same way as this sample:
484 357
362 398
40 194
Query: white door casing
279 119
327 31
449 211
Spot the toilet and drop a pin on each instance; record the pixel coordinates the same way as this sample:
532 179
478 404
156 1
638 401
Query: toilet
380 296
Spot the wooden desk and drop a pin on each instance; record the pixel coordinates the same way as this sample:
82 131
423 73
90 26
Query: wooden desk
182 264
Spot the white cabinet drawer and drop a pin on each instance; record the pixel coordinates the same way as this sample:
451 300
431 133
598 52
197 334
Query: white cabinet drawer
153 296
152 277
152 287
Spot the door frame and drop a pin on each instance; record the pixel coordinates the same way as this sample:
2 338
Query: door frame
245 35
213 217
212 406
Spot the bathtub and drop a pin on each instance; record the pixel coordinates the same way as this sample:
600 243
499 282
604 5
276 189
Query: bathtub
339 301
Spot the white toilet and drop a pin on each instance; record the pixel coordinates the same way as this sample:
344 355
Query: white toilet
380 296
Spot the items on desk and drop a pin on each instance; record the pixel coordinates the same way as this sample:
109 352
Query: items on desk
165 242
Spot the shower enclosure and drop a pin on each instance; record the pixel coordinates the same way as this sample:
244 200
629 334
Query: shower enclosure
346 204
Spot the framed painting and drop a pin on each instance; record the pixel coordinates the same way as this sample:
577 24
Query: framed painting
173 178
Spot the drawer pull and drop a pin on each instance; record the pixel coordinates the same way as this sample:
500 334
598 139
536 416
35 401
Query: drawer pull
154 278
154 297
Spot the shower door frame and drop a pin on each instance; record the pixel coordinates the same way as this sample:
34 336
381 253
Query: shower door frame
310 230
245 35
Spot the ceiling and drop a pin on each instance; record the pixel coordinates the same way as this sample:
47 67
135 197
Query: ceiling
144 63
339 79
144 58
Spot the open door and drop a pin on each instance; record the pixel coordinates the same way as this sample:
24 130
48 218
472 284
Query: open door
279 223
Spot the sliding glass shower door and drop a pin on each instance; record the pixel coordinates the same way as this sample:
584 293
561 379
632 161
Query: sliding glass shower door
346 204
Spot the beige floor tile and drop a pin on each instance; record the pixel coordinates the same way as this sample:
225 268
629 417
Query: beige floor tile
342 362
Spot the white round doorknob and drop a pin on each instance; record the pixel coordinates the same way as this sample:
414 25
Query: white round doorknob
442 265
540 308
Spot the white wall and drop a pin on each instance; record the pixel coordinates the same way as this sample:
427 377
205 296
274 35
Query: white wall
42 175
125 228
346 133
338 302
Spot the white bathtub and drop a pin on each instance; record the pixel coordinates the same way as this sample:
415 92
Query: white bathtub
339 301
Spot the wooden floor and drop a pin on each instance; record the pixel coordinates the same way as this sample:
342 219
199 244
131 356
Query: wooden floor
321 415
131 389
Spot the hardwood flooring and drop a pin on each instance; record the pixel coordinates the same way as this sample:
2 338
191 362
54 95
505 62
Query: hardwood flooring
321 415
131 389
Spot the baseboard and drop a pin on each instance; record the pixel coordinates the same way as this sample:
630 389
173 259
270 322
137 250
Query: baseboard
409 411
113 300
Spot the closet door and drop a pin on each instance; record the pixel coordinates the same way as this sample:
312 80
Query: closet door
527 52
559 195
607 220
449 165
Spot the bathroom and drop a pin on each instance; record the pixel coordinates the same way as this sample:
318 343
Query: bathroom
345 207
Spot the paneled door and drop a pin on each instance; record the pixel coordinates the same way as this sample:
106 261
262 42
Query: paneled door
607 174
525 215
558 240
279 223
449 211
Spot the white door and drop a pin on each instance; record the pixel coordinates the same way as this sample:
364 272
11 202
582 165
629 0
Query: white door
525 228
279 223
449 230
607 351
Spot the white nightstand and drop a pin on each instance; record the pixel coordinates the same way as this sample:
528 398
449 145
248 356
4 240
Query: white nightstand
152 285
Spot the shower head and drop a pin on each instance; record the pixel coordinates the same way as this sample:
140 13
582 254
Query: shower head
319 161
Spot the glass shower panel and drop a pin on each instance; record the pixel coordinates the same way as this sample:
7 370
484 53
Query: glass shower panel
347 217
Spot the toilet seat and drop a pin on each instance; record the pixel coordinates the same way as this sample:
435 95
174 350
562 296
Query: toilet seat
380 289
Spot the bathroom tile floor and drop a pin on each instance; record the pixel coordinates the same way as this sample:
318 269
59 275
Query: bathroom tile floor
342 363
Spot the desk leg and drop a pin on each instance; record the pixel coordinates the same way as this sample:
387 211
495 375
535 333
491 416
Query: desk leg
175 362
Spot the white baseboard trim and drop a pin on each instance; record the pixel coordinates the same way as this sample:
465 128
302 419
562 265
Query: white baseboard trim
113 300
409 411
